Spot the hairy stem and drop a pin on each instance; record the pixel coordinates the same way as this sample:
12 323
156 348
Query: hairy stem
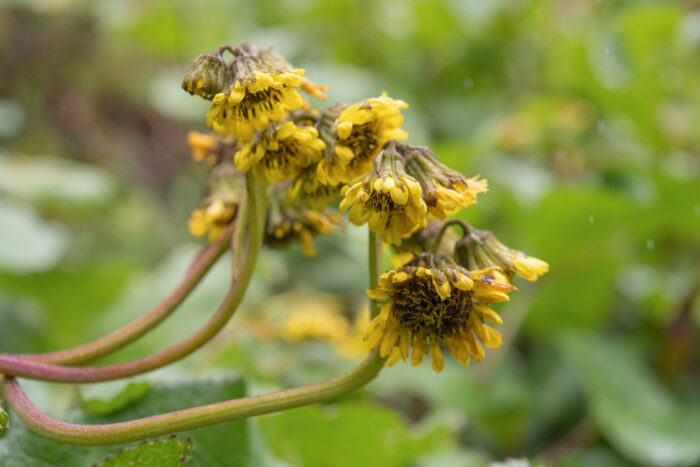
127 334
375 261
15 366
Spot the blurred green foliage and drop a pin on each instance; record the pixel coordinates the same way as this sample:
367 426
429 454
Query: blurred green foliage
584 115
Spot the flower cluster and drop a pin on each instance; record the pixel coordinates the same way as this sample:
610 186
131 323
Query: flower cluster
441 293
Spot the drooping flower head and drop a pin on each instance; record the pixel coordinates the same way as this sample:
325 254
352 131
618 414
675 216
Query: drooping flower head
481 249
387 198
287 223
211 148
445 191
307 188
256 87
432 302
207 76
358 132
280 152
226 191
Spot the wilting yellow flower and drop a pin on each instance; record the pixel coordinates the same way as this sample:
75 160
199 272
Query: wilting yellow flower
207 76
211 148
445 191
280 152
256 87
432 302
358 131
227 190
307 188
481 249
287 223
387 199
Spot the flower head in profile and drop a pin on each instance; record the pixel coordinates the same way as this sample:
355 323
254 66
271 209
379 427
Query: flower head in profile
431 303
307 188
227 191
211 148
287 223
280 152
256 87
387 198
207 76
445 191
358 132
481 249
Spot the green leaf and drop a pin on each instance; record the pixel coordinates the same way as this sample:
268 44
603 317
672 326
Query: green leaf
632 410
27 242
170 452
132 393
226 444
313 436
55 183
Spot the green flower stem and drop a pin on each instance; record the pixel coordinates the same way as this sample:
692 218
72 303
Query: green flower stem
375 261
125 335
15 366
466 230
198 417
159 425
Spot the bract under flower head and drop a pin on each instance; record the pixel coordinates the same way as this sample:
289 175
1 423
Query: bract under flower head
387 199
227 191
445 191
208 75
287 223
432 302
280 152
481 249
359 131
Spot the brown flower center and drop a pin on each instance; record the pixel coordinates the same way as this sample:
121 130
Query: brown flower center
382 201
363 142
419 308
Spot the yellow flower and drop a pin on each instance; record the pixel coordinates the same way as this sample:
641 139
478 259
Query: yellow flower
287 223
307 188
227 190
210 147
431 303
481 249
280 152
313 317
359 131
445 191
256 87
387 199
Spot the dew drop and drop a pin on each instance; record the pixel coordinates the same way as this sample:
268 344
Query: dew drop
591 219
650 244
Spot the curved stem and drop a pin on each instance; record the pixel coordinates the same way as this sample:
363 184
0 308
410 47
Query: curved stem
129 333
125 432
15 366
466 229
197 417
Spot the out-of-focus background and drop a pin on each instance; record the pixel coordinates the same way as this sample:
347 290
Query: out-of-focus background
584 116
